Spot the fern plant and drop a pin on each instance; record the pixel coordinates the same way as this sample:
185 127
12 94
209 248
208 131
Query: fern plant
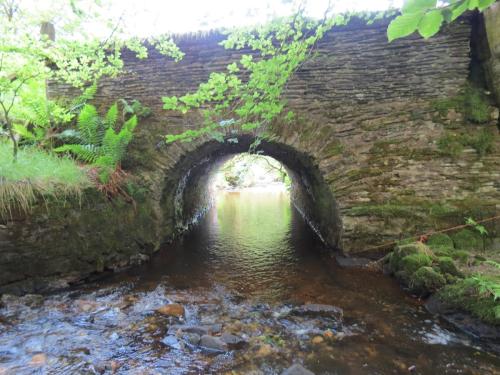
99 141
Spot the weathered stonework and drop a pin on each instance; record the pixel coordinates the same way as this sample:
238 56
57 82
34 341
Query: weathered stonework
363 149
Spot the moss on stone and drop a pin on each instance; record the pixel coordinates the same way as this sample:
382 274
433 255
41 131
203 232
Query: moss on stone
439 240
450 145
413 262
475 105
466 239
447 266
468 295
460 255
443 251
416 249
426 280
384 210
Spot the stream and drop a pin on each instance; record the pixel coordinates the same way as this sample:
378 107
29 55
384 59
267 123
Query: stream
255 292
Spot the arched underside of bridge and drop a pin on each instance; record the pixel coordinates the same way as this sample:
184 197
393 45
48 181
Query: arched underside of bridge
187 186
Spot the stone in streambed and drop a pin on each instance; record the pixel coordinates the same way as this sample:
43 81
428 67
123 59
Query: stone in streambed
172 342
297 370
313 309
233 341
172 309
212 343
192 339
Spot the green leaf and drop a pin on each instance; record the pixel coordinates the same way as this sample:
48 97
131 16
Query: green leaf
457 10
169 103
430 23
473 4
483 4
416 6
403 25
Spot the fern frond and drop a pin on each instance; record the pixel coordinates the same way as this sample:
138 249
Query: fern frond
87 94
112 116
85 153
24 132
88 124
70 136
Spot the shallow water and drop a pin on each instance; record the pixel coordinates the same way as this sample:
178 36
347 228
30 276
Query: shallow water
246 266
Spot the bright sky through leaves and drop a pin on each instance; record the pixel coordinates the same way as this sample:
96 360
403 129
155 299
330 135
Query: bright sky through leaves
151 17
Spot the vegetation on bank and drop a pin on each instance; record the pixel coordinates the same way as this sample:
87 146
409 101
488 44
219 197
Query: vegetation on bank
457 268
37 173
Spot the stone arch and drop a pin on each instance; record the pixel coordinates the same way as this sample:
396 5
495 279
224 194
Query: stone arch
185 196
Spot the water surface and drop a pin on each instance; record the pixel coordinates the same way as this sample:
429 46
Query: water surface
245 267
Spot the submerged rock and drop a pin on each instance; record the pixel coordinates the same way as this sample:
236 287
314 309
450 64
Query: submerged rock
192 339
313 309
171 341
297 370
213 343
233 341
172 309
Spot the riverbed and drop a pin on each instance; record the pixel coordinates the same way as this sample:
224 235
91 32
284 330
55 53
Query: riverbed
253 271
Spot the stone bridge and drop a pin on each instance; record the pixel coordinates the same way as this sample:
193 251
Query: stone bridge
367 151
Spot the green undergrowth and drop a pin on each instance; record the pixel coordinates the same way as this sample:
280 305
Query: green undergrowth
456 267
36 173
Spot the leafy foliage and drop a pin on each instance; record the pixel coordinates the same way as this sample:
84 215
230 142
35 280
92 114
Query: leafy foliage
248 95
99 140
427 16
78 56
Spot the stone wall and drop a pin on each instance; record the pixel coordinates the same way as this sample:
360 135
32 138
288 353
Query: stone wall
378 151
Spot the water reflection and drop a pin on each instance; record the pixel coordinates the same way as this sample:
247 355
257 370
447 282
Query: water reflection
244 267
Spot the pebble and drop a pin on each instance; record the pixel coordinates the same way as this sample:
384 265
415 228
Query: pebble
213 343
172 309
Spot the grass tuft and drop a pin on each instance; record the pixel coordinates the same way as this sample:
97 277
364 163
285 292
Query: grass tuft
36 173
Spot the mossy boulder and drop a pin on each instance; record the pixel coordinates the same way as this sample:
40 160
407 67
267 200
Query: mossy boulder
411 263
402 251
467 294
426 280
461 255
447 266
467 240
440 240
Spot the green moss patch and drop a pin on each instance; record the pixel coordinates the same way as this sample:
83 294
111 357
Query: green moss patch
468 240
477 295
426 280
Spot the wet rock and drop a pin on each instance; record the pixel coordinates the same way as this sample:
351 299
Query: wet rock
233 341
85 305
172 309
192 339
171 341
213 343
200 330
38 360
313 309
297 370
348 262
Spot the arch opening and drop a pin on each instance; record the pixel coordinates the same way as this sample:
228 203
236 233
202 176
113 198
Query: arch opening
190 189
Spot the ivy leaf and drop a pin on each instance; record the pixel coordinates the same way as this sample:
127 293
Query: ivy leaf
417 6
403 25
430 23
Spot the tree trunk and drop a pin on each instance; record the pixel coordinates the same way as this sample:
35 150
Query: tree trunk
13 139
